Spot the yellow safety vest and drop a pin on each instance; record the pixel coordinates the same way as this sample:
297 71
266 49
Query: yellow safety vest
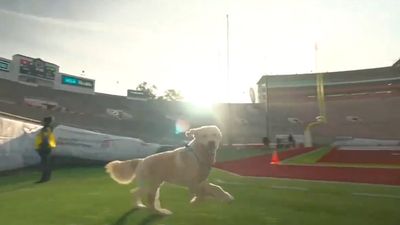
45 133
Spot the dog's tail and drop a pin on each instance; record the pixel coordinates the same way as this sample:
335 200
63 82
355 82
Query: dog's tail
123 172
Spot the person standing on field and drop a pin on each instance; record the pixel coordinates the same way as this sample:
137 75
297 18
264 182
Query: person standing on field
45 143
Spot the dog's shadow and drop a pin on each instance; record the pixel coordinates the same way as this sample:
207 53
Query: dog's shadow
146 221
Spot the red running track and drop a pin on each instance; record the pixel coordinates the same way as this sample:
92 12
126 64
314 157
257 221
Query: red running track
362 156
260 166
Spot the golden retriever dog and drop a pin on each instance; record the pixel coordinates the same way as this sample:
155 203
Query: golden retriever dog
187 166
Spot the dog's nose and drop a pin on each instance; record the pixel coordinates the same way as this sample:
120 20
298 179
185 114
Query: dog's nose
211 144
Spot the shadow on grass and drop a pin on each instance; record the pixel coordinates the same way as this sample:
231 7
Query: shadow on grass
17 187
146 221
150 219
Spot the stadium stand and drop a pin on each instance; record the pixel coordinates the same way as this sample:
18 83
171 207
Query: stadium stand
86 111
359 103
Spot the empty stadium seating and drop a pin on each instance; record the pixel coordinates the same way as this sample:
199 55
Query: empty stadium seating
353 109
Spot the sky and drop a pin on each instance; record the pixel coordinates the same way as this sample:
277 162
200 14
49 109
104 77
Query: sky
182 45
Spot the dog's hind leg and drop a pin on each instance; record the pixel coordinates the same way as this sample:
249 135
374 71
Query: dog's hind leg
137 197
153 201
157 204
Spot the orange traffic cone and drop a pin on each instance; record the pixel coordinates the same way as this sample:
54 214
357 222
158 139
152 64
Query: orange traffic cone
275 158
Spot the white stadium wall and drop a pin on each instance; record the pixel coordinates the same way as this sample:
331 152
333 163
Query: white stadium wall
17 145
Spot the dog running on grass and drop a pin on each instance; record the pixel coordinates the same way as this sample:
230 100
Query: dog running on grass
187 166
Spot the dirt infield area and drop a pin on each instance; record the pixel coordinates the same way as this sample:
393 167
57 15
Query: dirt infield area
260 166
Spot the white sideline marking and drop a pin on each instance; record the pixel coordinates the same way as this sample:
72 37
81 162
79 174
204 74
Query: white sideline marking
367 148
376 195
227 182
305 180
290 188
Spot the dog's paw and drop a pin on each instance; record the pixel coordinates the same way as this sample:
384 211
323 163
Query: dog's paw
163 212
228 198
139 206
193 200
196 200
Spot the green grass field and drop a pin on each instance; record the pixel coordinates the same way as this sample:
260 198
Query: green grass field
313 157
309 157
87 196
233 154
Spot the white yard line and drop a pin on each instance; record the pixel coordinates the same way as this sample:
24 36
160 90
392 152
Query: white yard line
227 182
346 165
289 188
273 186
376 195
305 180
368 148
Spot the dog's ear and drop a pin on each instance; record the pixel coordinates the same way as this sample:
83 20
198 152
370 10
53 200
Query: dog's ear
191 132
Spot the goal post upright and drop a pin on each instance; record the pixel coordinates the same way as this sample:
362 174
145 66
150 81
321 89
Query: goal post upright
321 118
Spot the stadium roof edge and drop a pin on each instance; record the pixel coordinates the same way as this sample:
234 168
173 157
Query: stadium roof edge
334 73
36 58
397 64
5 59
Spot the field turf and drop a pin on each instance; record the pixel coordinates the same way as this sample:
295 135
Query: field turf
87 196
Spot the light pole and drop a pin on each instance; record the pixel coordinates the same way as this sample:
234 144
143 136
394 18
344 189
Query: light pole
266 140
228 115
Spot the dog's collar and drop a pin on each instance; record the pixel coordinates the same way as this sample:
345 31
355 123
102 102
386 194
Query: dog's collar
190 149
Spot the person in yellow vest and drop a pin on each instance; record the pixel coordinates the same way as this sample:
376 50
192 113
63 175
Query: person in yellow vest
45 143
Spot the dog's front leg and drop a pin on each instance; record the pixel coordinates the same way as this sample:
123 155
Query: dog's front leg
217 192
196 194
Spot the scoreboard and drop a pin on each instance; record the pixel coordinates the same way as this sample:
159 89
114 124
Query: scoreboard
37 68
37 72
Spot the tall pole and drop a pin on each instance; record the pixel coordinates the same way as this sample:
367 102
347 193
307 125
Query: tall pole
316 57
228 120
321 118
227 58
267 119
320 87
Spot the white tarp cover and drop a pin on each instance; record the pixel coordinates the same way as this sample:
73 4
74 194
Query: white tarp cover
349 142
17 144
